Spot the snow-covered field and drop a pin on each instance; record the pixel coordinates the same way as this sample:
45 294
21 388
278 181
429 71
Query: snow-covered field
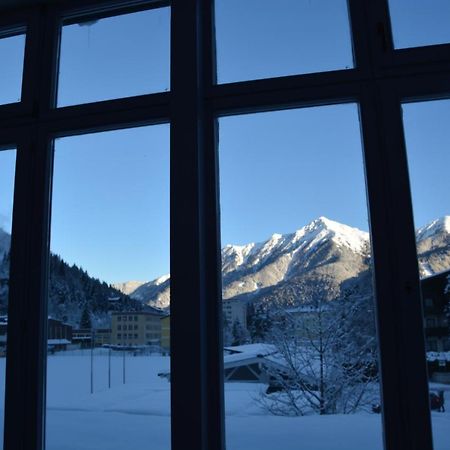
136 415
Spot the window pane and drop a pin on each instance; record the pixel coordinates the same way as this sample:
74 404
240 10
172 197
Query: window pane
7 168
416 23
114 57
110 227
262 39
428 144
299 331
11 54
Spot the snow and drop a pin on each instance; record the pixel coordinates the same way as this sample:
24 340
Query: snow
58 342
161 279
436 226
307 237
136 415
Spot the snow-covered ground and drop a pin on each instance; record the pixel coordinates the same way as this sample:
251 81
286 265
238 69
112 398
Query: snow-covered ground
136 415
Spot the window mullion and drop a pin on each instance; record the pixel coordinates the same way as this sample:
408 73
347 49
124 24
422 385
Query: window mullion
196 370
403 371
27 318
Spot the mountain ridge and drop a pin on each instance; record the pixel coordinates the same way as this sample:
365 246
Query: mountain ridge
322 252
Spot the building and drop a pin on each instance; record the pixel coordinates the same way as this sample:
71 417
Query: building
235 311
3 334
102 336
436 301
136 328
82 337
57 329
165 334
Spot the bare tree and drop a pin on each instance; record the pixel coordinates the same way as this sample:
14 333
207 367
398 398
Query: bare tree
328 354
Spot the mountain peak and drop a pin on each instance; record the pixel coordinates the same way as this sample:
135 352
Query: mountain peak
437 226
322 229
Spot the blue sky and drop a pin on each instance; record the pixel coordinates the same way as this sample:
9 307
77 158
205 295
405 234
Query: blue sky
279 170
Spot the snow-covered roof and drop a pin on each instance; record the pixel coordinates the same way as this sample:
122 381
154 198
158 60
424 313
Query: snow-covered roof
57 341
438 356
251 350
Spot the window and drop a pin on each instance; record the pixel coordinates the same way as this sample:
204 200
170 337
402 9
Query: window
108 58
227 59
12 45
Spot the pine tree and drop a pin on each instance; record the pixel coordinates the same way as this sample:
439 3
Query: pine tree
85 321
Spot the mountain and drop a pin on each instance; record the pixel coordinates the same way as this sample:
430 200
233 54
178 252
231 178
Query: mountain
70 291
156 293
322 259
5 242
433 246
127 287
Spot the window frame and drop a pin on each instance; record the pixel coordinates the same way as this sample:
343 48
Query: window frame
382 79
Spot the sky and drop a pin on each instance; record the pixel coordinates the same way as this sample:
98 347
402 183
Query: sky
279 170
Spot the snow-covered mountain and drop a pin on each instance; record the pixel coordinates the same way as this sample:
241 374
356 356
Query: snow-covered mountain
155 293
323 258
127 287
5 242
433 246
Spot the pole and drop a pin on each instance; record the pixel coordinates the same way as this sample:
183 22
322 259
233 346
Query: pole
123 367
109 368
92 361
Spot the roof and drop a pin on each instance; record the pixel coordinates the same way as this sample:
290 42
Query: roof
57 341
146 312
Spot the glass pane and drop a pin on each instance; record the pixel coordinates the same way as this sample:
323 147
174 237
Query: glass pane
114 57
11 54
416 23
299 331
7 168
428 145
110 227
261 38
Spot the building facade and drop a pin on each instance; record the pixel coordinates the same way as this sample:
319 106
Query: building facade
136 328
235 311
165 334
436 298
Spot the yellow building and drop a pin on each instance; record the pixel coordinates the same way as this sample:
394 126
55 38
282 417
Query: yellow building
165 334
136 328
